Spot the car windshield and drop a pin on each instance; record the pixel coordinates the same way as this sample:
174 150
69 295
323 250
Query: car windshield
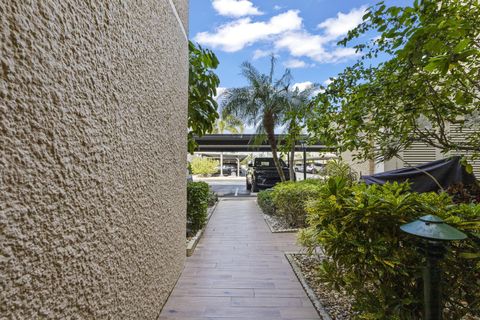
267 162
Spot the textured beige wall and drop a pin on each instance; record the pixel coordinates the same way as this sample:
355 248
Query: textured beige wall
360 167
93 100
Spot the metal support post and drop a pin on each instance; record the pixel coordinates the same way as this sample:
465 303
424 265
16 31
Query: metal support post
432 278
304 163
221 164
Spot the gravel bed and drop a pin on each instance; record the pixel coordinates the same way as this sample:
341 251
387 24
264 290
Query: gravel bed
338 305
279 224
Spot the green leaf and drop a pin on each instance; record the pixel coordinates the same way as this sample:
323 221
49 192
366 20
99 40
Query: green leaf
461 45
469 168
433 65
470 255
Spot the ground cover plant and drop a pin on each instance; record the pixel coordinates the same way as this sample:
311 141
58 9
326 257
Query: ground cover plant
198 194
369 258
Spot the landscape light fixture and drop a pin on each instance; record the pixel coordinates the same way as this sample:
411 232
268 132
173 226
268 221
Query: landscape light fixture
435 234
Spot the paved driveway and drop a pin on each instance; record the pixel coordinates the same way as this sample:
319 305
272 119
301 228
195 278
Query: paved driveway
227 186
236 187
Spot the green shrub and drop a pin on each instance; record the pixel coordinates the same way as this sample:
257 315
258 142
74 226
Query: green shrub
204 166
197 204
265 202
372 260
212 198
341 169
289 199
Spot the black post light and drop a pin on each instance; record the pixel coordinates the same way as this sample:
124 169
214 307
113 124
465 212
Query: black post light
304 149
435 233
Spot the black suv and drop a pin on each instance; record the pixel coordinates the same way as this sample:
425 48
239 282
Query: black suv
263 174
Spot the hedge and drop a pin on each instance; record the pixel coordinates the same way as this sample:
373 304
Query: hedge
290 198
265 202
198 194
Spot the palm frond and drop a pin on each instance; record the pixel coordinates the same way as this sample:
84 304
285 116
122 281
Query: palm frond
241 103
272 68
284 82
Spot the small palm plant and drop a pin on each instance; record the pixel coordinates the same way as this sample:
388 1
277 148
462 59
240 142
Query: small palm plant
260 104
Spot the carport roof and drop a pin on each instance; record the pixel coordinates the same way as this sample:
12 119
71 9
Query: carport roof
225 156
244 143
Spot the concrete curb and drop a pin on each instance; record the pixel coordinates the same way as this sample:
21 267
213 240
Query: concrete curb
309 291
192 244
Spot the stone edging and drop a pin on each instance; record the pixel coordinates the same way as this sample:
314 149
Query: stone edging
278 231
310 293
192 244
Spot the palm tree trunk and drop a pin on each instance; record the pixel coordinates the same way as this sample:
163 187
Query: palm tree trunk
291 168
268 124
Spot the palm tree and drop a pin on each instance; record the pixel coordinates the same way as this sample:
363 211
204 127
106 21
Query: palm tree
260 104
228 123
294 119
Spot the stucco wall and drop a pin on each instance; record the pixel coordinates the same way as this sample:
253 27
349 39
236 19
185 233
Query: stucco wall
93 100
360 167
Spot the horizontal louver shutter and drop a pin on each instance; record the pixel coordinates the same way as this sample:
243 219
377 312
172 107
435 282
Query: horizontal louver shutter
418 153
459 135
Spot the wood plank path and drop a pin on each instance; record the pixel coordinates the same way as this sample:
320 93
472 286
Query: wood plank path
239 271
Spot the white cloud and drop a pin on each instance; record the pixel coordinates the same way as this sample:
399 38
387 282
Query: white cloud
315 47
302 85
296 63
342 23
277 7
257 54
235 8
328 81
322 47
301 44
285 31
240 33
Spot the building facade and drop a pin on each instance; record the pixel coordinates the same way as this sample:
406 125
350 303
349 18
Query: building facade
416 154
419 152
93 109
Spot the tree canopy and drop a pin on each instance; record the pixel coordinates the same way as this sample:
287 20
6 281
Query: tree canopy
429 84
202 89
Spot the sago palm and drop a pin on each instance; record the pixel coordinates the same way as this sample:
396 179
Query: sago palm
260 104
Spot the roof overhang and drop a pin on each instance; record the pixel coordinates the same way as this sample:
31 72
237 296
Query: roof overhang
245 143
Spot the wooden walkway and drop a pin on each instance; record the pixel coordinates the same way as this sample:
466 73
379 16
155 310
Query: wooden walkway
239 271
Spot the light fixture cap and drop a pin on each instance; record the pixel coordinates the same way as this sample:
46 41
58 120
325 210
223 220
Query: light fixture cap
432 227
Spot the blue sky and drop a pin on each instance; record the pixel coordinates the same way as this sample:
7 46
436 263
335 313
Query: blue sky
301 33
